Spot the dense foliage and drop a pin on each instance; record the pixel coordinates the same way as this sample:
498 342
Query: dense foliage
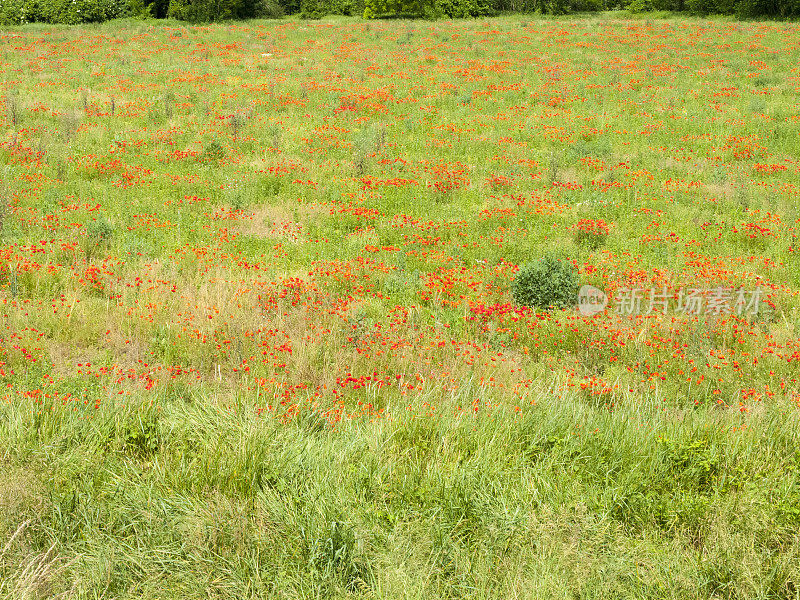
14 12
71 12
546 283
199 11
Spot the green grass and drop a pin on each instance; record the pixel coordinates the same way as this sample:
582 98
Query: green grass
192 497
257 329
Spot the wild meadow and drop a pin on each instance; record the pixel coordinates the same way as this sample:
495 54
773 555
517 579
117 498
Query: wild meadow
258 337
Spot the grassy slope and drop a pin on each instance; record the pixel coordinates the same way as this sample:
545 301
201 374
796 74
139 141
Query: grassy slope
197 174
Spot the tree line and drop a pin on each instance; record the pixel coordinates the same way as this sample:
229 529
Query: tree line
14 12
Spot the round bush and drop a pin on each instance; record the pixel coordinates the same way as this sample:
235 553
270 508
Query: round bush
546 283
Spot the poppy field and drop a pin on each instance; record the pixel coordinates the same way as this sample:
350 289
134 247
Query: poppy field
259 336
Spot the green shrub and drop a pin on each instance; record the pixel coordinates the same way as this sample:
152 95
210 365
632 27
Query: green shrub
462 9
213 152
254 9
759 8
639 6
70 12
588 5
206 11
562 7
707 7
203 11
315 9
378 8
547 283
17 12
